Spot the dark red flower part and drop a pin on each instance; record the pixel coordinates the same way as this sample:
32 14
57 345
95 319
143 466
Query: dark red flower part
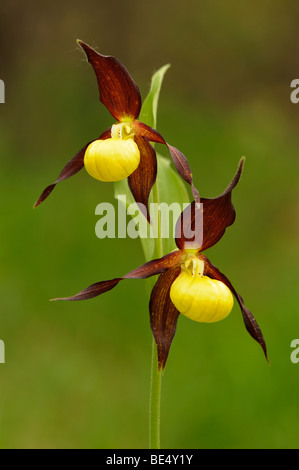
145 173
70 169
121 96
118 91
214 215
163 313
151 268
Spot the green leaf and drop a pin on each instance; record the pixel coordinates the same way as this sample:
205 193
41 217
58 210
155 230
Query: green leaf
149 109
173 193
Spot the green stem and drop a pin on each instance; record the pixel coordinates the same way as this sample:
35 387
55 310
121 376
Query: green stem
155 401
159 245
156 375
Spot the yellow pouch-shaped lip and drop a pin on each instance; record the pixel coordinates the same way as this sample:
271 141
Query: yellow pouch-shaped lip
200 298
112 159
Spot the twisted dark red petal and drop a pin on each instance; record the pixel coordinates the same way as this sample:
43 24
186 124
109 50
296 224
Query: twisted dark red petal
118 91
151 268
143 179
249 320
70 169
179 159
94 290
201 226
163 314
184 169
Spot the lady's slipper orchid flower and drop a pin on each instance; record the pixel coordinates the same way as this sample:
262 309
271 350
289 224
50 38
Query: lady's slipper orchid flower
188 282
124 150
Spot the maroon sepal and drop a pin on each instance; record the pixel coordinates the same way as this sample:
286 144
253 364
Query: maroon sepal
201 226
179 159
151 268
142 180
118 91
250 322
163 314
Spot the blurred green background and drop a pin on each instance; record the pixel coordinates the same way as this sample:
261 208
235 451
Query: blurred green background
77 374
